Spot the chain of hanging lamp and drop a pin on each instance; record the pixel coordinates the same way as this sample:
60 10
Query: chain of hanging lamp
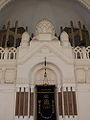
45 80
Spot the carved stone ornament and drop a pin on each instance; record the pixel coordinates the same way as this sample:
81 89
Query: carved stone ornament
45 27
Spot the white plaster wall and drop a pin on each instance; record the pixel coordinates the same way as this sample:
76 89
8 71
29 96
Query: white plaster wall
83 100
30 62
7 102
63 65
10 76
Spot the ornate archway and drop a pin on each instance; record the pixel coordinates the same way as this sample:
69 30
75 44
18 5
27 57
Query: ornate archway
54 74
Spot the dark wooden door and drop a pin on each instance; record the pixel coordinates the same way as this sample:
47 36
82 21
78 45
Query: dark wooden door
45 102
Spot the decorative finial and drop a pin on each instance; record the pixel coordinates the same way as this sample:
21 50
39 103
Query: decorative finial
71 23
8 24
79 24
61 29
26 28
16 24
4 27
84 27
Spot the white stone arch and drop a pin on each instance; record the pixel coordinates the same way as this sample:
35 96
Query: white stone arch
52 68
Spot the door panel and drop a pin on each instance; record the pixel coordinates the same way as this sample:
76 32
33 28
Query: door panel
45 96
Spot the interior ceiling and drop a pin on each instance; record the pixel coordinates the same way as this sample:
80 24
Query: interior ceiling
28 13
86 3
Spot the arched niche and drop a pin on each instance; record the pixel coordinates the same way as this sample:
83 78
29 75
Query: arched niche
54 74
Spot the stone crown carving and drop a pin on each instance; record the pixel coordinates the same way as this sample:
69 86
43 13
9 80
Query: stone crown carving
45 27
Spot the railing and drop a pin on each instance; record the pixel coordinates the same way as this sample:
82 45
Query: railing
11 53
8 53
82 52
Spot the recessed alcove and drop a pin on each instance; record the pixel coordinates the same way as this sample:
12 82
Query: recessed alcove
54 74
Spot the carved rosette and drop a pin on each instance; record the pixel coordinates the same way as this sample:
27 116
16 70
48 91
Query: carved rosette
45 27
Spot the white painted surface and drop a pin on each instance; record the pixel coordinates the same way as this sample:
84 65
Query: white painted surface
29 71
7 102
83 99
